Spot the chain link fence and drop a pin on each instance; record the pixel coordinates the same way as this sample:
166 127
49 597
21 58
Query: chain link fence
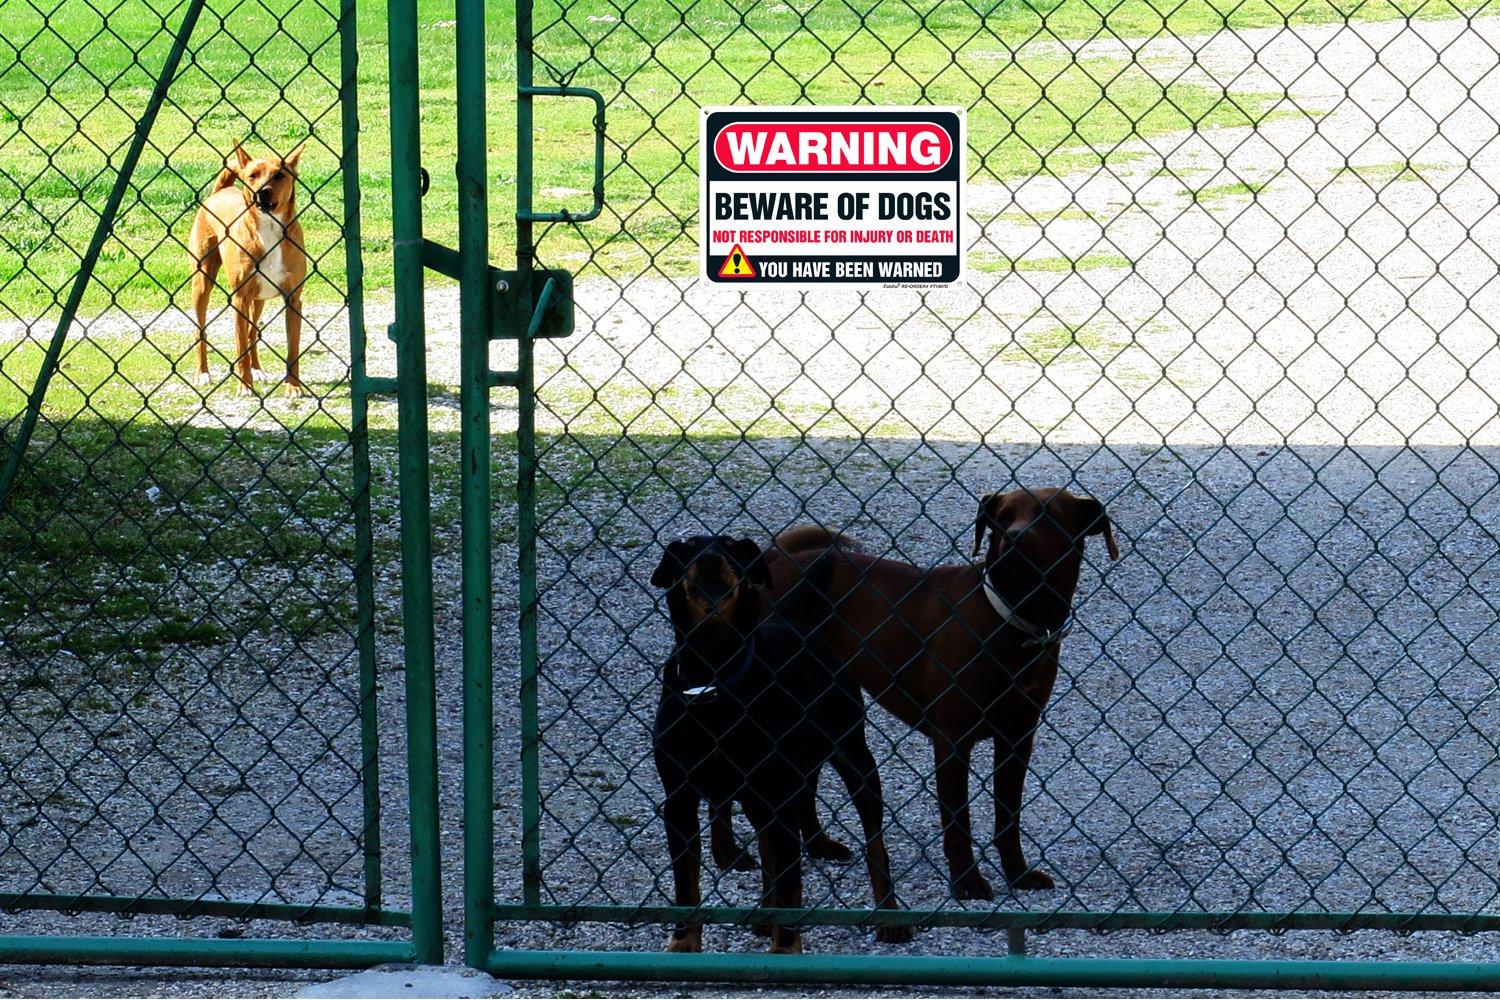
188 670
1233 272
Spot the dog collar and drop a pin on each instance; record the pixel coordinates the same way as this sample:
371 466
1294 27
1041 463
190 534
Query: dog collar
709 691
1039 636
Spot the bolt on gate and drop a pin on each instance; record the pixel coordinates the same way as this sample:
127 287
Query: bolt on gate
1230 273
193 700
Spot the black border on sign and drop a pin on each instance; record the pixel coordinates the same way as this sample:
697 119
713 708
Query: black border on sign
713 120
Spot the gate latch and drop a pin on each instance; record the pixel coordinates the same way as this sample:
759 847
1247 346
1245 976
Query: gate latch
545 314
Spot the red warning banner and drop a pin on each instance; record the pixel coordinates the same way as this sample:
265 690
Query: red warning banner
820 147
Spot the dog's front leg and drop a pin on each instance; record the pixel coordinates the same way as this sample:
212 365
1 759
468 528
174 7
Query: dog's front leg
781 856
684 844
1011 762
953 809
294 343
255 370
244 338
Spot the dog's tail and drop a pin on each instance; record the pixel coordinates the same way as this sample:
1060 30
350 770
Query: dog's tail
809 606
811 538
227 177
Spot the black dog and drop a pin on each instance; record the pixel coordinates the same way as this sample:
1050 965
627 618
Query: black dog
749 713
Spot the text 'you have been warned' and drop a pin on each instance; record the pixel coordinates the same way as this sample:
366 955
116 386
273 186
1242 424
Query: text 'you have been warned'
819 196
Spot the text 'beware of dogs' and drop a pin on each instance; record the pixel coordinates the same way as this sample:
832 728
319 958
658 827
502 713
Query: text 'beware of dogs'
818 196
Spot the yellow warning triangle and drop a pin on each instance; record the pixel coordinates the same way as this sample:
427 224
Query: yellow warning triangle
737 265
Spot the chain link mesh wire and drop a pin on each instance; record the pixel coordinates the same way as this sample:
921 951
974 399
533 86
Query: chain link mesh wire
1231 270
180 694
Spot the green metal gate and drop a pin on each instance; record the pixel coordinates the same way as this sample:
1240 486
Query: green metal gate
192 681
1192 296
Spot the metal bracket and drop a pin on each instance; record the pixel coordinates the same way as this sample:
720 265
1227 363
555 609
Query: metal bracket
546 314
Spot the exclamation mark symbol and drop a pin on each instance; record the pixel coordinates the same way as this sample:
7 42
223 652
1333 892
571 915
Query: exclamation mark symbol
735 265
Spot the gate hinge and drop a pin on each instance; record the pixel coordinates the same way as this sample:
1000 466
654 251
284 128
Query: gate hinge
545 314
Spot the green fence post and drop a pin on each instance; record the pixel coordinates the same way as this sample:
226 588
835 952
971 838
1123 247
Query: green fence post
416 530
359 434
531 850
474 360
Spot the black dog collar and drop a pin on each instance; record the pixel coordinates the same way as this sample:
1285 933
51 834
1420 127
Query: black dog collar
707 692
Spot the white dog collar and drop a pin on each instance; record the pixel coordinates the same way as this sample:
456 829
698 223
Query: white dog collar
1039 635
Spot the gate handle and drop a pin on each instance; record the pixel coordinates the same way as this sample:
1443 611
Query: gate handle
539 313
564 215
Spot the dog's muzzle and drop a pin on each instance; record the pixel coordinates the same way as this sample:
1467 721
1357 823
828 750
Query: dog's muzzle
264 199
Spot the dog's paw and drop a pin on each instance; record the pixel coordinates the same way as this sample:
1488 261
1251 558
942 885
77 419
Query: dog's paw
1032 879
792 947
257 375
972 886
743 861
244 389
894 934
690 941
202 378
825 848
294 390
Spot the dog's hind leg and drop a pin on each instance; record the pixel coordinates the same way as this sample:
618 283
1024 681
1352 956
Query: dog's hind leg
953 809
684 844
1011 762
204 274
815 840
729 854
856 765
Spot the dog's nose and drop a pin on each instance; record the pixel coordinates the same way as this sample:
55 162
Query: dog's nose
263 196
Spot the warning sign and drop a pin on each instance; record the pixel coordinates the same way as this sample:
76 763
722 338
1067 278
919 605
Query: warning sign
820 196
736 264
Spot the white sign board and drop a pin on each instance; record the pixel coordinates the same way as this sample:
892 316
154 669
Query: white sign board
817 196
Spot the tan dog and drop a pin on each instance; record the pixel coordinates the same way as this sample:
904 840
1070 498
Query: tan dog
961 653
253 232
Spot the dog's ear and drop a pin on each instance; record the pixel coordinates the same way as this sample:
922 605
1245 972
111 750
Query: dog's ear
291 159
241 158
984 519
1095 521
751 560
674 562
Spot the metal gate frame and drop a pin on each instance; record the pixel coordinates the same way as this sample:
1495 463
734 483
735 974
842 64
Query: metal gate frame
504 304
410 388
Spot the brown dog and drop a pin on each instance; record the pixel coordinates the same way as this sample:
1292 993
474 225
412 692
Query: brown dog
253 232
962 653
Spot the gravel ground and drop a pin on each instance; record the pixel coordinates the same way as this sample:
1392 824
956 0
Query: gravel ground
1280 698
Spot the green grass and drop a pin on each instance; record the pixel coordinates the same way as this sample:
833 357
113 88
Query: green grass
1089 262
1220 192
1062 344
1394 172
1041 110
136 505
152 517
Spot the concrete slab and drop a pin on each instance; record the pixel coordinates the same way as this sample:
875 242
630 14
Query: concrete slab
427 982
